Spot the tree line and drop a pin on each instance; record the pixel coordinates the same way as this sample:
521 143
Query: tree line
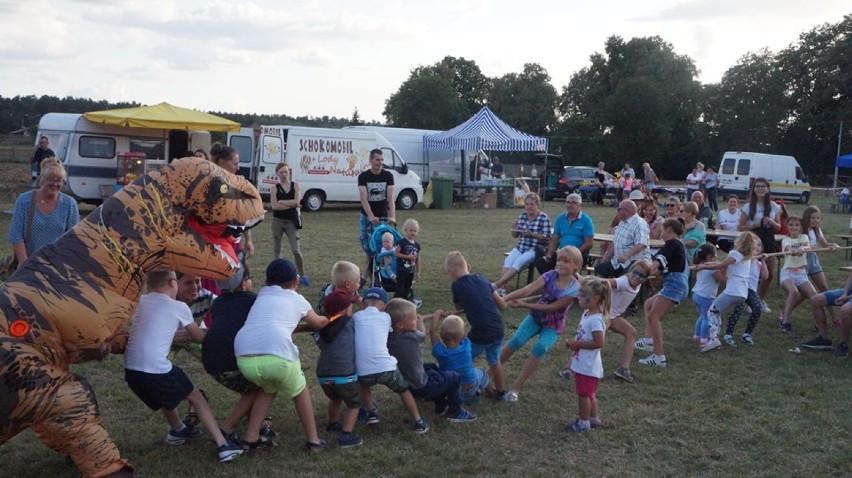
639 101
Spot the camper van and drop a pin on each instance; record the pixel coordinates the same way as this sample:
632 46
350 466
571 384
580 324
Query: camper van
89 151
786 178
326 162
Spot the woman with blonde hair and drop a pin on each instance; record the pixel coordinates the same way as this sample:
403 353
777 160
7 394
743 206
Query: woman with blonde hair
41 216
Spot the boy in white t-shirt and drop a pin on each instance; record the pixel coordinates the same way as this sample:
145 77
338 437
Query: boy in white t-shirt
152 377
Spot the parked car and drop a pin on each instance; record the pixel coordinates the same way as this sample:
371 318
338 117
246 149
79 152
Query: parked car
572 178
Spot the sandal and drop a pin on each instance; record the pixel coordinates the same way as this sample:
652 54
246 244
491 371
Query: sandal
314 447
262 443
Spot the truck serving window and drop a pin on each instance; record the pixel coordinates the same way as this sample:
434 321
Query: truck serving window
728 166
153 149
97 147
744 167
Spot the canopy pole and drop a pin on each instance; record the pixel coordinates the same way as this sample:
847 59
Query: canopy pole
839 140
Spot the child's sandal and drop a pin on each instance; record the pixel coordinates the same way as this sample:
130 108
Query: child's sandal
314 447
262 443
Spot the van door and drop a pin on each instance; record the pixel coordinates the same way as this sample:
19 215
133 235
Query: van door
243 142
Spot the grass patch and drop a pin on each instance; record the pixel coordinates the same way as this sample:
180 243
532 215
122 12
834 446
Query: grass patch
749 411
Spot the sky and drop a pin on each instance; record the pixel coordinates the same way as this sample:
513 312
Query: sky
323 57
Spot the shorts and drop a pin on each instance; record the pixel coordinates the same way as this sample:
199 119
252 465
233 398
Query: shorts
348 391
814 267
528 328
492 351
675 286
469 391
235 381
831 296
273 374
651 185
159 390
585 385
799 275
392 379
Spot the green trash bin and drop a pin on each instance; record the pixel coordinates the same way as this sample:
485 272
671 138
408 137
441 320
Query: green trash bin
442 192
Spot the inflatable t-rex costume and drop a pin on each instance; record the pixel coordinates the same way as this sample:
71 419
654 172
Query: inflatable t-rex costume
72 300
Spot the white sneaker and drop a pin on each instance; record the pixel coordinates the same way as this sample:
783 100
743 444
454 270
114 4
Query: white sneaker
765 308
715 343
646 344
654 360
502 292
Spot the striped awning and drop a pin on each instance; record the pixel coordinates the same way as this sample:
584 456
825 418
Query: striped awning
484 131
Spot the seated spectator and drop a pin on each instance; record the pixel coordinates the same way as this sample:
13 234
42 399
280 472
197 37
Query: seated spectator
574 228
705 214
694 234
729 220
533 229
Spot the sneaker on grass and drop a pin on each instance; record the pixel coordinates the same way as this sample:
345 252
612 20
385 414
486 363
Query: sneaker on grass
231 436
817 343
348 440
461 416
577 428
654 361
566 373
842 350
262 443
729 341
372 417
311 447
785 327
179 437
645 344
420 426
764 308
228 451
510 397
713 344
747 339
623 373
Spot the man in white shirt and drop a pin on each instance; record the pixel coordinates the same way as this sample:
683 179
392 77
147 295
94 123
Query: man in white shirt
632 238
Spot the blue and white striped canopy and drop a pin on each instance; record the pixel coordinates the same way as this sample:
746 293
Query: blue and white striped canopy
484 131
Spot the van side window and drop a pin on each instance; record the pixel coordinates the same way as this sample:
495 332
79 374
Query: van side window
800 175
744 167
97 147
243 146
728 166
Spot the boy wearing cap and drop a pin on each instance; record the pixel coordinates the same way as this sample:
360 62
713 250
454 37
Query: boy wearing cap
267 356
228 314
152 377
336 366
373 363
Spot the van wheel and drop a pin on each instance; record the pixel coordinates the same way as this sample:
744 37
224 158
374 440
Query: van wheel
805 198
313 200
406 200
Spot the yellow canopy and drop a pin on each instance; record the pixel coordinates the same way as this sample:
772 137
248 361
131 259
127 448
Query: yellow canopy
164 116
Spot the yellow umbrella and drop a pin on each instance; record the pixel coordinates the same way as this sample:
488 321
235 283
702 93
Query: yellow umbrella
163 116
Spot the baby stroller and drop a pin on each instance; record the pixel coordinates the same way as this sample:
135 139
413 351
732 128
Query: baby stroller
384 262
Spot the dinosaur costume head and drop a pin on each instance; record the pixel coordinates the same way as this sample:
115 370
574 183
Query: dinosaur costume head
71 301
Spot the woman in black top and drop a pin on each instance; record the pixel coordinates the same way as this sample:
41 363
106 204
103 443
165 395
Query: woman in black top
285 199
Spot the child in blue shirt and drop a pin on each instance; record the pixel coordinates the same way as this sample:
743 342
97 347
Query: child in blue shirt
452 350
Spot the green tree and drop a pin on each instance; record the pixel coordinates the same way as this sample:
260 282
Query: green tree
526 101
468 82
424 101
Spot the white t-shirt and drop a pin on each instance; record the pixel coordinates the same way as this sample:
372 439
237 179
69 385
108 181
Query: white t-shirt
588 361
269 327
622 295
754 278
774 209
795 262
812 237
371 342
728 220
692 180
705 285
738 275
152 330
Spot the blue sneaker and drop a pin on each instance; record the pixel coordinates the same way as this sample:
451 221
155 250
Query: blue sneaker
348 440
179 437
229 451
577 428
304 281
421 427
462 416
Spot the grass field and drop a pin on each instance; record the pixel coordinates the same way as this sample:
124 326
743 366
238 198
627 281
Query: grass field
748 411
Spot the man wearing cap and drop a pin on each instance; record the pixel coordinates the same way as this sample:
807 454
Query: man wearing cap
574 228
631 241
267 356
336 366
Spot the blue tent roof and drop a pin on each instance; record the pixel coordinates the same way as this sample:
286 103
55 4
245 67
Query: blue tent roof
485 131
844 161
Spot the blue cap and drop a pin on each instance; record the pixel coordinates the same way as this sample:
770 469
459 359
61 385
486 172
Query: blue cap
376 293
280 271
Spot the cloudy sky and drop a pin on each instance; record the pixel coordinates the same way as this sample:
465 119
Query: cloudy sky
324 57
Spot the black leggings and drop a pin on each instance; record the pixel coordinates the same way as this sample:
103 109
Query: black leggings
754 303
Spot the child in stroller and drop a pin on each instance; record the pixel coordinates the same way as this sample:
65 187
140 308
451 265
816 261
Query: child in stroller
383 244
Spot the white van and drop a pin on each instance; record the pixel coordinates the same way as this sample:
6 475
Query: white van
326 163
89 151
786 178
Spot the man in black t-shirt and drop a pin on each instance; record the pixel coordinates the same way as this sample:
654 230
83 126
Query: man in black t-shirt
375 187
42 151
601 178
